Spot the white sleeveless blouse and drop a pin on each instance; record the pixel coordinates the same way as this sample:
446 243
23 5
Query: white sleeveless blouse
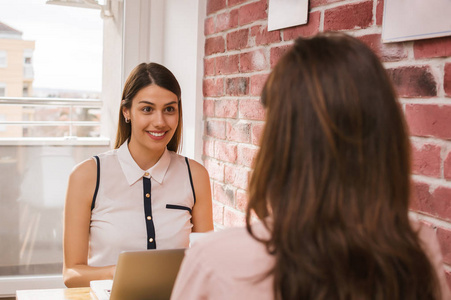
137 209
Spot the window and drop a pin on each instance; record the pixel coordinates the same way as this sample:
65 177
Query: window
2 89
3 59
49 121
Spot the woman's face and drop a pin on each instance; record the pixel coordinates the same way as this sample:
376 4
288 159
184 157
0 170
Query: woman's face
154 117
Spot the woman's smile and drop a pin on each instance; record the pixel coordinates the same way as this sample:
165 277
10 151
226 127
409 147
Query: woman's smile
157 135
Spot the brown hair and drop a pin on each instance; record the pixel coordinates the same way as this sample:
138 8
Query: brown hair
142 76
332 174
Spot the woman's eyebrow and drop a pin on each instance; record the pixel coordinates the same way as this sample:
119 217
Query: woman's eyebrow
151 103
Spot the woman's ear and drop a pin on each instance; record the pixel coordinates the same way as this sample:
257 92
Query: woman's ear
125 111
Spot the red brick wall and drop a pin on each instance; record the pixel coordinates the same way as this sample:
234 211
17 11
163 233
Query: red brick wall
239 54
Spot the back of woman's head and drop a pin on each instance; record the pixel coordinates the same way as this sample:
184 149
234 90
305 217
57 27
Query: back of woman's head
141 76
333 175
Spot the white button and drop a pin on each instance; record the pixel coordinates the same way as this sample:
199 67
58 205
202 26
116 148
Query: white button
151 240
149 218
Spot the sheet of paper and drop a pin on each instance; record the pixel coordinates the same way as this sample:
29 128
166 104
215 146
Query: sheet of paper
287 13
415 19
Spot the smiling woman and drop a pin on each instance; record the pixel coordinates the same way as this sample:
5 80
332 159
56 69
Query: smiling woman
125 199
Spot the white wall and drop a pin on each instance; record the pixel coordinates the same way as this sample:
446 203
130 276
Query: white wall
170 32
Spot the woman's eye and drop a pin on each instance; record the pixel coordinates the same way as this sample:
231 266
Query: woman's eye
147 109
170 109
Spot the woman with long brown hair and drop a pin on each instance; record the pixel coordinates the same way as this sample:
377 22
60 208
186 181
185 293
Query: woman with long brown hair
140 195
330 189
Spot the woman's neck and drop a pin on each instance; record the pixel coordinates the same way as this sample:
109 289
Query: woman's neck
144 158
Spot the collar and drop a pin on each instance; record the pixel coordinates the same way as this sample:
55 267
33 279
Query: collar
133 172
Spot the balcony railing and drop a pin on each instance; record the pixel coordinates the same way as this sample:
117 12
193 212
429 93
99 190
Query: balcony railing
41 140
56 121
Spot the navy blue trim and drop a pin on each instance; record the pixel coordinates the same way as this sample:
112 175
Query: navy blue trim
190 179
148 213
172 206
93 203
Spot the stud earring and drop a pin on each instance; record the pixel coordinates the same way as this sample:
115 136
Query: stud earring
127 120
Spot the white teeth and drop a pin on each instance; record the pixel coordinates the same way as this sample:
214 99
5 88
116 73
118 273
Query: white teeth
156 134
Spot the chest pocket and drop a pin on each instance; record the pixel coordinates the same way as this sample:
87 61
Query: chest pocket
181 207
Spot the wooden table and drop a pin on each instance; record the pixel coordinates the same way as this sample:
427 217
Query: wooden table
56 294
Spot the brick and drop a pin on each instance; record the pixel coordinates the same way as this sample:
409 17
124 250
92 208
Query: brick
448 278
447 80
447 167
253 61
237 40
235 2
316 3
379 12
426 159
238 86
215 5
228 64
227 20
238 131
214 45
256 83
257 131
352 16
218 213
226 108
215 169
241 200
213 87
223 194
234 218
209 26
429 120
435 203
276 53
215 129
209 108
386 52
252 12
306 30
209 66
444 239
263 37
225 151
251 110
246 155
414 82
236 176
209 149
428 48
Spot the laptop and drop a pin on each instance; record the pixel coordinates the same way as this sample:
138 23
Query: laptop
141 275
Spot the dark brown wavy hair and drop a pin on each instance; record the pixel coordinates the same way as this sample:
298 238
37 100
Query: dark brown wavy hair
332 178
140 77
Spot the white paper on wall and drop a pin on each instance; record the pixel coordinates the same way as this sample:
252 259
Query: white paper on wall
406 20
286 13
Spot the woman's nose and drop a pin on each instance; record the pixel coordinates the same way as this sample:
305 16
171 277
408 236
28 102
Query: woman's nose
159 120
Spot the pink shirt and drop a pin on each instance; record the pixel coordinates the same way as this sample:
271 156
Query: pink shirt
226 264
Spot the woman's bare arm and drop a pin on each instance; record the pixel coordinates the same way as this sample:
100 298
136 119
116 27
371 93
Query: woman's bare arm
77 217
202 215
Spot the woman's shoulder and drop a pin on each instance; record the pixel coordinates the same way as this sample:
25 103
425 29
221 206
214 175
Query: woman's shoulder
196 168
84 170
233 241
